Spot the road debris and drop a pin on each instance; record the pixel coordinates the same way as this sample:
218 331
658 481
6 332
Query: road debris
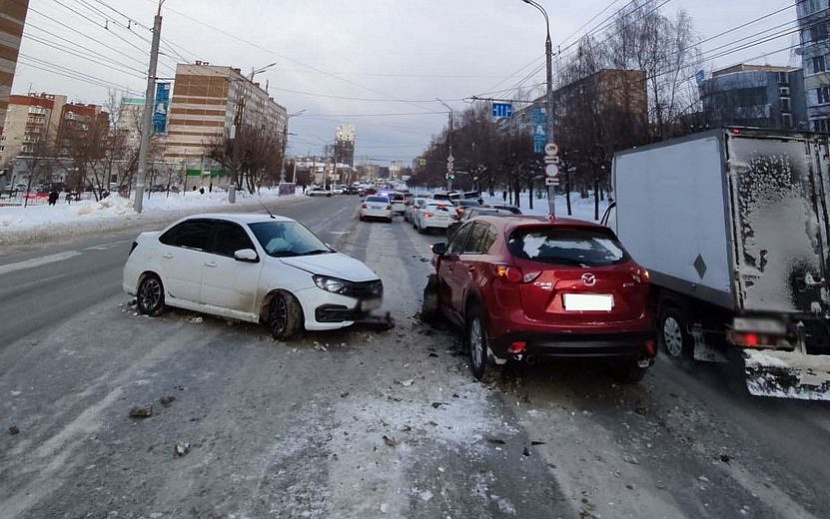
496 441
406 383
390 442
167 400
13 430
436 405
181 449
141 411
526 451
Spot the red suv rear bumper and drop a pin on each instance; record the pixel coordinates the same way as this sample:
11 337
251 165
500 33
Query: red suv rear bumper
633 339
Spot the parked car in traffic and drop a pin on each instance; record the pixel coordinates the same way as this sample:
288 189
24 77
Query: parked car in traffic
398 203
434 215
376 207
531 288
252 268
505 207
318 191
474 212
464 204
412 207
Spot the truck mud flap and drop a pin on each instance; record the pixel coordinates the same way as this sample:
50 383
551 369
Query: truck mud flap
787 374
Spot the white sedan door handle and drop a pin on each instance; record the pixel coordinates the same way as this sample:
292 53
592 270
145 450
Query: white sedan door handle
168 255
210 264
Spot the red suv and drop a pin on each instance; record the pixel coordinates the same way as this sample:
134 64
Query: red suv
528 288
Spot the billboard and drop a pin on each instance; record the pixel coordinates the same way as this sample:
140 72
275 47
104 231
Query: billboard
160 110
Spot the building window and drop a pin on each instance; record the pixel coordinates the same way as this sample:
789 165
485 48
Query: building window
818 32
787 121
811 6
820 125
783 78
817 65
784 91
823 95
785 104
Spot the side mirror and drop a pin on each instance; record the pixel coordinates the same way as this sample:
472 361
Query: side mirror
246 255
439 249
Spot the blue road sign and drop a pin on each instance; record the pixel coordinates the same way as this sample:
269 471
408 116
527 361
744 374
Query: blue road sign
162 104
540 134
502 110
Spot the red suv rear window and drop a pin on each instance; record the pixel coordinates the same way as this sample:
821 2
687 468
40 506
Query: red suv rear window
567 246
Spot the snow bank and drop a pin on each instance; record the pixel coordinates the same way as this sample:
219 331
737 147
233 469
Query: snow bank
582 208
25 225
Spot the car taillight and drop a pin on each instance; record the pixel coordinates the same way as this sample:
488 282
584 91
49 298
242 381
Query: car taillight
364 206
427 214
640 275
509 274
459 210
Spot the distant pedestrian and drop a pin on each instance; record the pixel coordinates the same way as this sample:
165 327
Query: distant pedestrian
504 195
201 190
69 198
53 197
303 188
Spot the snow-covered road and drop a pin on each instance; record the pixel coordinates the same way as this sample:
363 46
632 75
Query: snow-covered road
357 424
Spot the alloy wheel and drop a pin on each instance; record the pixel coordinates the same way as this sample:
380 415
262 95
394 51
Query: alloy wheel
150 294
672 337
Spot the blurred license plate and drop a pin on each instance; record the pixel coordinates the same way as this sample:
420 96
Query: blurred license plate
377 207
589 302
370 304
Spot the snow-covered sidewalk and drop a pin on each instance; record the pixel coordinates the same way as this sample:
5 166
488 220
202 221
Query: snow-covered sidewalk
25 225
582 208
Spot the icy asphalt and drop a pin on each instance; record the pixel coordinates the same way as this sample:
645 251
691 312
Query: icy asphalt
357 424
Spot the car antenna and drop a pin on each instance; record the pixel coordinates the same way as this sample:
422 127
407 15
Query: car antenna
266 208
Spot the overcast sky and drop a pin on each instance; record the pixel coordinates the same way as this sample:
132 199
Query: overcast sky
390 58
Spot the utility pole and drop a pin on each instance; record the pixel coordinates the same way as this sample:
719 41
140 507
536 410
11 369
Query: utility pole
149 106
450 158
553 164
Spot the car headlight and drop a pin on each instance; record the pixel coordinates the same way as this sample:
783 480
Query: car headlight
329 284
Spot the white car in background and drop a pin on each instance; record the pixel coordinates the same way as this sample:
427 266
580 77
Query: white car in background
434 215
252 268
376 206
318 191
398 203
412 208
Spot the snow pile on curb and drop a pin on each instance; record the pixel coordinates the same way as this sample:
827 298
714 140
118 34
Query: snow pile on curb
30 224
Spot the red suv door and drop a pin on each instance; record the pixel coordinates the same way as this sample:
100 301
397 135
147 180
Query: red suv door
453 275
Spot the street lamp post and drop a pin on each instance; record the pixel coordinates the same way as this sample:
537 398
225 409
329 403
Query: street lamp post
450 158
549 61
285 135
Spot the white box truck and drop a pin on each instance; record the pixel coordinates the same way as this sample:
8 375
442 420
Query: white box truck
733 227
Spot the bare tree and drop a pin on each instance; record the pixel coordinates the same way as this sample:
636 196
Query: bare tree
249 156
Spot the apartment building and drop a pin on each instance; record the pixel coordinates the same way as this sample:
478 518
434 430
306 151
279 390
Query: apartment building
30 120
814 25
12 20
761 96
208 102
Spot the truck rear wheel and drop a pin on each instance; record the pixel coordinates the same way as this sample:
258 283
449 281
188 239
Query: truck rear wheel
674 338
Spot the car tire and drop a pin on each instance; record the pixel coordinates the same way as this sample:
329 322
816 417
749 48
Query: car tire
429 305
674 340
477 341
362 218
389 220
285 317
628 373
150 296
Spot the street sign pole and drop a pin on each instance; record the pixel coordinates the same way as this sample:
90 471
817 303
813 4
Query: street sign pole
551 147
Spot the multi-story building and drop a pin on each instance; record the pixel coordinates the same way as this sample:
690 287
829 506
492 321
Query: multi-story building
344 141
209 102
78 121
130 113
609 94
12 20
31 120
760 96
814 24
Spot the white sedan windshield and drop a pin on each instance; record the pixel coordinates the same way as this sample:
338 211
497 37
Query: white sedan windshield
284 239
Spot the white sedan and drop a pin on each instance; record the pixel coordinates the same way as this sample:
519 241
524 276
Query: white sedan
252 268
434 215
376 207
318 191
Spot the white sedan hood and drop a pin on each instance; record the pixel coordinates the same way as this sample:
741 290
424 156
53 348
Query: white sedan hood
334 265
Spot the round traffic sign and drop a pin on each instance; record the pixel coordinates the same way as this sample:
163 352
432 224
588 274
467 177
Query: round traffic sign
552 170
551 149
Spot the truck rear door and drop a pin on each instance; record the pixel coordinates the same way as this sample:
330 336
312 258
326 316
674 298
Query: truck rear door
778 203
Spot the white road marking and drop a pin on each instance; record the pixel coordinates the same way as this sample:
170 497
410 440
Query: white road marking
108 246
37 262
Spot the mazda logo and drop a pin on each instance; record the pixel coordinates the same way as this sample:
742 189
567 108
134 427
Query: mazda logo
589 279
